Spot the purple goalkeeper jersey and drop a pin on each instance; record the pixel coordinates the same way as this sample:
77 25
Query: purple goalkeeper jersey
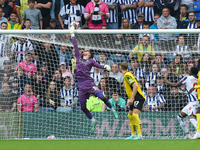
83 67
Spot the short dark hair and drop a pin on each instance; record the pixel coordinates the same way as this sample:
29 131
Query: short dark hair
124 65
13 13
194 70
157 14
183 5
67 77
31 1
27 20
4 23
146 23
192 12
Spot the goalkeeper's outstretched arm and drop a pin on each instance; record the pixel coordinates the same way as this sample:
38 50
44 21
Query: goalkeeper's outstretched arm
77 53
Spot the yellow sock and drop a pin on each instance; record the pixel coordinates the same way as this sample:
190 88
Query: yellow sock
198 122
132 124
138 123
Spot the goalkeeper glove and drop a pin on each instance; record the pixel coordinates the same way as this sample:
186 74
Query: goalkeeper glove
107 67
72 30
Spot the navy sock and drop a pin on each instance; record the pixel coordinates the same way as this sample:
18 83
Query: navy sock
85 110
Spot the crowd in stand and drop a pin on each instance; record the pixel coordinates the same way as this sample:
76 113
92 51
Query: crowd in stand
39 76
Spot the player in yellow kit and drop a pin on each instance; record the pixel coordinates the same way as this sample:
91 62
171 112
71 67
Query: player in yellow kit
135 101
197 135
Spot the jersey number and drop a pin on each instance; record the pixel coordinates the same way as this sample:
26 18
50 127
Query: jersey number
195 85
136 103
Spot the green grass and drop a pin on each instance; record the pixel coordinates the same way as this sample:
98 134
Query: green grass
100 144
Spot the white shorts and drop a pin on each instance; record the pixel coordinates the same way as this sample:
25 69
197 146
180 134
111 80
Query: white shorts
190 108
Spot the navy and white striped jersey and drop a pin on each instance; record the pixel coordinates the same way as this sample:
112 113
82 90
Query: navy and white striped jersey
3 46
96 77
190 82
156 100
160 89
131 14
182 50
148 11
72 13
151 79
113 12
139 74
20 50
68 95
192 25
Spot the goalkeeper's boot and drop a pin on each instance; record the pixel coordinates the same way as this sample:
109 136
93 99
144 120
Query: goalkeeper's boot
94 125
130 137
187 136
196 136
137 138
115 114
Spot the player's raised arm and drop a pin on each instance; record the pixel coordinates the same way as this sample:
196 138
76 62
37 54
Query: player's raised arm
96 64
72 30
171 83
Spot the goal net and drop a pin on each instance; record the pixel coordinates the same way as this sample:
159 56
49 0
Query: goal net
37 74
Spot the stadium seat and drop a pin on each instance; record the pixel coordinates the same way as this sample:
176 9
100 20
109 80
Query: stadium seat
64 109
77 109
46 109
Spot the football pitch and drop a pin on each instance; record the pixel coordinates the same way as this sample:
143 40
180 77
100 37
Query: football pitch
155 144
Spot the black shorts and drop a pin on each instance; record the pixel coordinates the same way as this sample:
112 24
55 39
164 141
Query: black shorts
137 104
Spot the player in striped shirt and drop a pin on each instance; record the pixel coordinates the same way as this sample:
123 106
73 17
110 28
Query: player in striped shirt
189 110
112 22
129 10
146 7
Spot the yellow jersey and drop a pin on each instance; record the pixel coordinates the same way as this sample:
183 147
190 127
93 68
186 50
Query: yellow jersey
139 50
129 79
198 86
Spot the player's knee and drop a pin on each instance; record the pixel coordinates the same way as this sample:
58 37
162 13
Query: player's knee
179 117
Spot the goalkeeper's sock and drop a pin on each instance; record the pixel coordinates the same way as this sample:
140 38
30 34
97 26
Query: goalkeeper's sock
132 125
137 123
85 110
198 122
182 123
193 121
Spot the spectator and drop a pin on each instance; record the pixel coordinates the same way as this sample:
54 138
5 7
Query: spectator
177 67
46 76
47 53
196 8
117 102
19 49
112 22
57 5
193 39
29 67
166 21
13 24
52 96
34 15
21 5
115 73
104 39
175 101
129 10
66 72
146 63
146 7
188 3
7 69
142 48
63 56
68 94
125 24
160 85
169 4
6 8
8 100
151 36
15 88
72 63
44 6
183 14
58 79
104 88
96 75
156 36
12 4
118 57
27 102
53 24
140 21
2 19
159 61
103 60
39 87
196 58
119 41
182 49
22 78
152 76
96 12
27 24
154 101
188 24
71 11
94 104
137 71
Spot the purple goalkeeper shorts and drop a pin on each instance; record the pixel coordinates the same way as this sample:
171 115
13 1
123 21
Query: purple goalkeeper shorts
86 88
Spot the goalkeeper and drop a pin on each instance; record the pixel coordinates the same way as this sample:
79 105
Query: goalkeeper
197 135
86 86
